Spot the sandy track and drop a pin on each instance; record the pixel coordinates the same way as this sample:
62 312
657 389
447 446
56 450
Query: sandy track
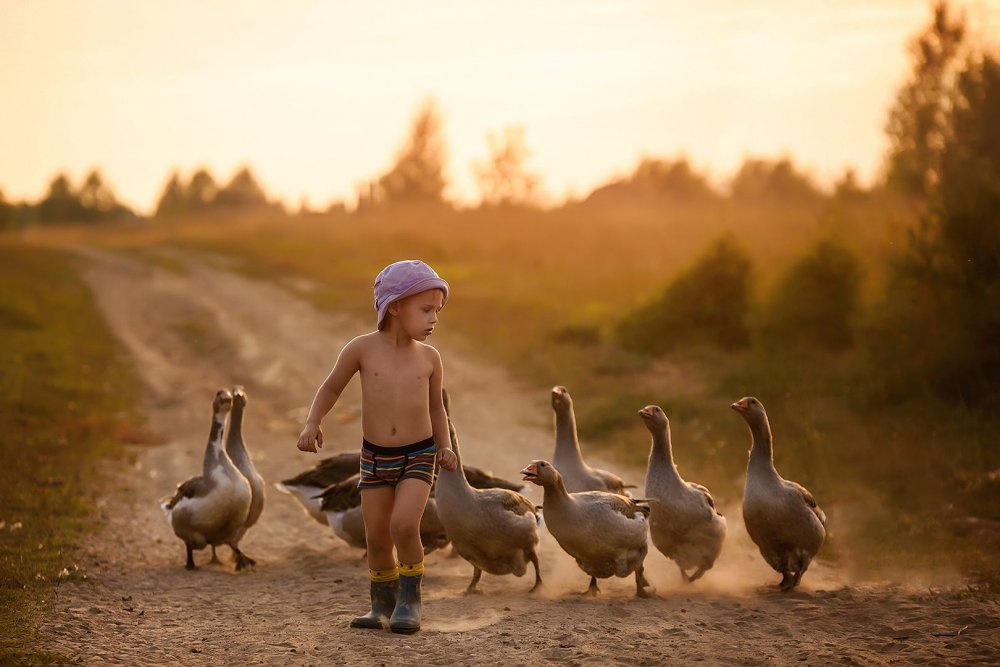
191 332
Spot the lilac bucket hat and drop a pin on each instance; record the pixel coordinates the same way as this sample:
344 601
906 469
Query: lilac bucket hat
403 279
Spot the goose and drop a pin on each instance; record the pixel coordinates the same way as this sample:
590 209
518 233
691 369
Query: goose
683 522
495 529
341 506
576 474
306 486
782 517
237 451
605 532
211 509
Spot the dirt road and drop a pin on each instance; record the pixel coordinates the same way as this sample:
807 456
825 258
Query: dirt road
192 328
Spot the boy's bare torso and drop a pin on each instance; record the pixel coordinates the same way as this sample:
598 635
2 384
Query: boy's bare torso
395 390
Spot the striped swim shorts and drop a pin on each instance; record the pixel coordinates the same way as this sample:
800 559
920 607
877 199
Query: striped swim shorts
388 466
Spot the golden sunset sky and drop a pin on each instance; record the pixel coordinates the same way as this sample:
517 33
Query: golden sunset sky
318 96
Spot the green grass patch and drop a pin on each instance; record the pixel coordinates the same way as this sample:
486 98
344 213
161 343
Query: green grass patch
66 397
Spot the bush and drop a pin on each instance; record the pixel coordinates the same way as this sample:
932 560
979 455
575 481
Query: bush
707 302
816 301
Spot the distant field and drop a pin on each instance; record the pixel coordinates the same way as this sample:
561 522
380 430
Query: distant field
540 294
66 398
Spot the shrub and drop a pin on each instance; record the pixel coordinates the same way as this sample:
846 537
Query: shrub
707 302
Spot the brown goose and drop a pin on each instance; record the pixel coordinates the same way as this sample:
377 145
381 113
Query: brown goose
237 451
211 509
568 460
782 517
605 532
305 486
684 523
495 529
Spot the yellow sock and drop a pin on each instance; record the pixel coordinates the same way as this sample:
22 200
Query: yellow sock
411 570
384 575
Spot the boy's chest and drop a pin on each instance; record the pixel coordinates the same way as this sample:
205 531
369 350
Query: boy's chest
403 371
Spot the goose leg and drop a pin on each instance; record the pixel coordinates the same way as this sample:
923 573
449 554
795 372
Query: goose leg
698 573
538 575
592 590
642 587
798 574
476 573
242 560
215 559
190 558
684 575
787 581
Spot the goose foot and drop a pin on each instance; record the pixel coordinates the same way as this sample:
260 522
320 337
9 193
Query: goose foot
242 560
787 581
471 589
697 574
592 590
643 589
538 575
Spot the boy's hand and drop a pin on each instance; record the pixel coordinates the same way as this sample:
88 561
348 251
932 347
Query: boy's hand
311 438
447 459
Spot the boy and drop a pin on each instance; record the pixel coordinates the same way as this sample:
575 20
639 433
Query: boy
405 429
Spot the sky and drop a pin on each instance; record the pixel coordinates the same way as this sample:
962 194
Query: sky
317 97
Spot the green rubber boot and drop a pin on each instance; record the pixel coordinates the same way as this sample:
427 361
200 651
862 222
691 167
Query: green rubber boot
406 617
383 602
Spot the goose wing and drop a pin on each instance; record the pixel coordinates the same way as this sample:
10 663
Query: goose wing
621 504
483 479
707 494
809 500
189 488
515 502
341 496
328 471
612 482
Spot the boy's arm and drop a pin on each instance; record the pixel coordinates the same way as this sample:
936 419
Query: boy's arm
348 363
439 418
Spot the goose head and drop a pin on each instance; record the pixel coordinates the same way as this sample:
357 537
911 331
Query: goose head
751 409
541 473
654 418
561 400
239 396
223 402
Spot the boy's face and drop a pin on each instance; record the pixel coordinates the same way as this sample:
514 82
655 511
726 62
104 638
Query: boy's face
417 314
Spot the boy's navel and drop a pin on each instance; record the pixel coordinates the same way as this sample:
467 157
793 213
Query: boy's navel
394 430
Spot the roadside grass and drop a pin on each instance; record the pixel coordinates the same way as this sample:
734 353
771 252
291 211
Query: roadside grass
66 399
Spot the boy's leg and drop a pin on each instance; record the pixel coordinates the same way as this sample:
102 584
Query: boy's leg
411 497
377 510
404 527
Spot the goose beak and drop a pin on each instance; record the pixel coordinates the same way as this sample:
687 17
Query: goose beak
530 473
645 413
740 406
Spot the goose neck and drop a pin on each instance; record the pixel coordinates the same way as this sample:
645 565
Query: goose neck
214 450
234 439
761 453
661 457
567 442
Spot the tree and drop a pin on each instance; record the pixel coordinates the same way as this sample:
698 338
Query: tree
418 173
942 309
173 200
772 180
917 121
243 191
201 191
61 202
503 180
96 196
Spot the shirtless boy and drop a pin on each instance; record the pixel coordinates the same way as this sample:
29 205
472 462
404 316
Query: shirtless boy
405 430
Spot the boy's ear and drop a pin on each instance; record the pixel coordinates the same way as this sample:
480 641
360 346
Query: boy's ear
394 308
